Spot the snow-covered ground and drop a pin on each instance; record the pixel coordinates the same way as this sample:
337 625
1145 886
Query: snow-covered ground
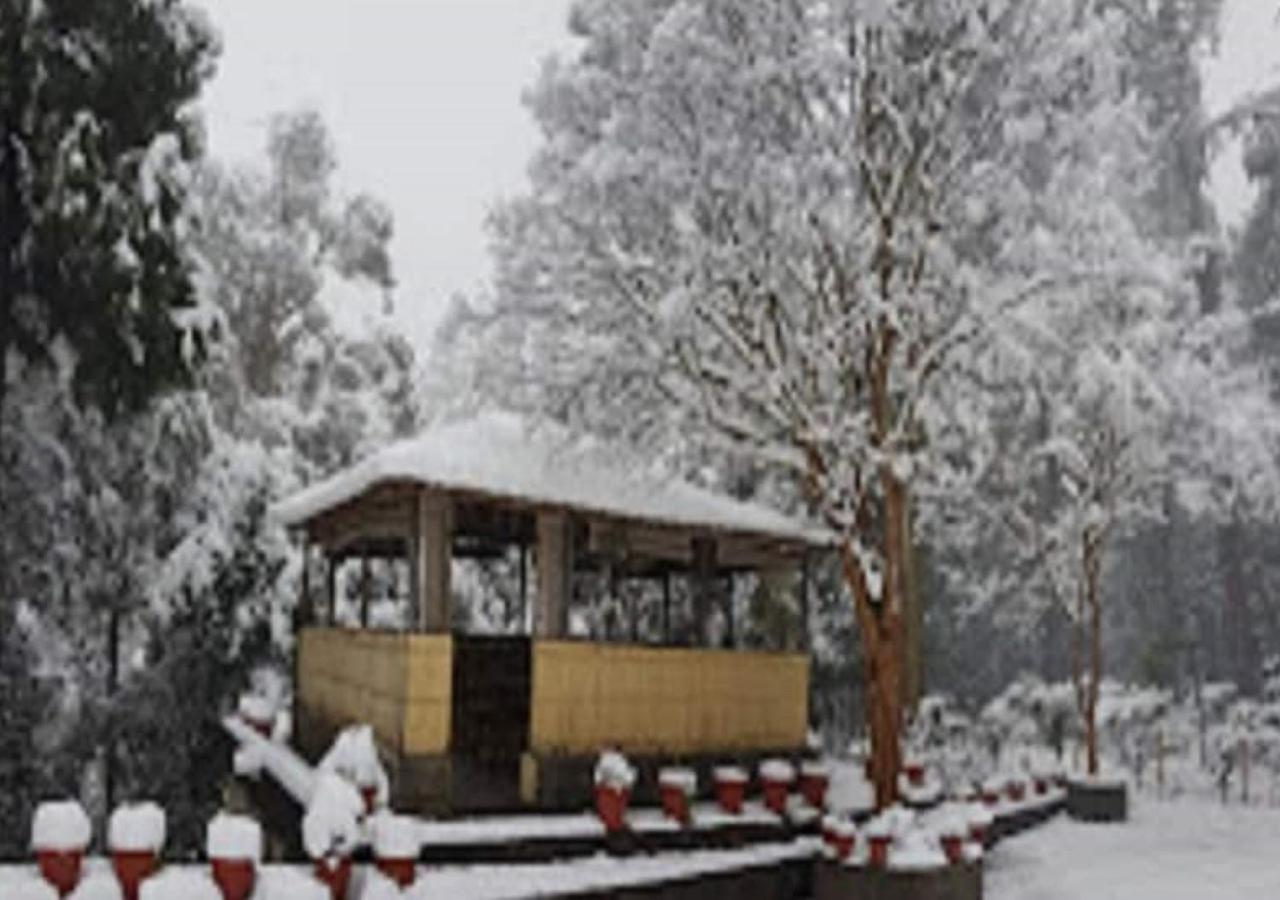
1175 850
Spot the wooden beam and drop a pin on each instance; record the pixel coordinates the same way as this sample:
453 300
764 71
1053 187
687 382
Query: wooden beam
433 562
555 574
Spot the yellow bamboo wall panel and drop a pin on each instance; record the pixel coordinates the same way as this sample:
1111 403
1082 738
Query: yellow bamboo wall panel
398 683
662 700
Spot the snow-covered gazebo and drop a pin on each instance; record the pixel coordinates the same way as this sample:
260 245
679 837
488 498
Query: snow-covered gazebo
480 722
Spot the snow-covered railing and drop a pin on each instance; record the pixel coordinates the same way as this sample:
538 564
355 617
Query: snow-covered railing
289 770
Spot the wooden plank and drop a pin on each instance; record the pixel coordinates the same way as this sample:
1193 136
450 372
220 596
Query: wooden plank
433 562
555 574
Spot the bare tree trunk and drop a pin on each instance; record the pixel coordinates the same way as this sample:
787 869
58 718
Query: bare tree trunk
1091 561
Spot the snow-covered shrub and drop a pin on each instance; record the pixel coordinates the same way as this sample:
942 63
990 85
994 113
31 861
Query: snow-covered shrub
682 779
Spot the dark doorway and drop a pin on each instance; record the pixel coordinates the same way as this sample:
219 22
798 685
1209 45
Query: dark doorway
491 681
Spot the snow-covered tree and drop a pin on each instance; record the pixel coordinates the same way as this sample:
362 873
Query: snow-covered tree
780 226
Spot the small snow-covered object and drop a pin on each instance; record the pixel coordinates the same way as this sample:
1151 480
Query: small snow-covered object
354 756
917 850
137 827
878 827
613 770
99 886
681 779
777 770
30 889
331 824
813 768
730 774
258 711
247 762
232 837
395 837
179 884
60 825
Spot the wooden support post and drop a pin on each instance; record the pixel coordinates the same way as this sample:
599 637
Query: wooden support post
306 610
703 590
331 589
366 590
806 640
525 626
555 574
666 606
433 562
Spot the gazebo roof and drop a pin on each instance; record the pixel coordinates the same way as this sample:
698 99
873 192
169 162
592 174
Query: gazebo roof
501 457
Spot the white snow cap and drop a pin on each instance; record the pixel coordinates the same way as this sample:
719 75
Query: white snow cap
247 762
179 884
676 777
395 837
815 768
97 886
917 850
30 889
734 774
330 826
354 756
777 770
60 825
257 708
838 825
136 827
612 769
234 837
979 816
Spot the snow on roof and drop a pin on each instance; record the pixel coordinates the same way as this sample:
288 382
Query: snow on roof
501 455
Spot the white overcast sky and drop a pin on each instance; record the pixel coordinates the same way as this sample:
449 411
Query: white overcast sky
423 99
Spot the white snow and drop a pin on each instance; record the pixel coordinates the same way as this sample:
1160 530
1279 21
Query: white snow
815 769
290 884
682 779
730 774
777 770
379 887
395 837
179 884
613 770
501 455
331 824
232 837
137 827
1182 850
354 756
60 825
97 886
30 889
289 769
257 708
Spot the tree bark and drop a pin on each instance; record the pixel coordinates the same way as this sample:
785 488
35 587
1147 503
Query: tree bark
1092 554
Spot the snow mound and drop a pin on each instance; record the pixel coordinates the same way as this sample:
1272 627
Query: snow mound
395 837
179 884
331 824
379 887
60 825
233 837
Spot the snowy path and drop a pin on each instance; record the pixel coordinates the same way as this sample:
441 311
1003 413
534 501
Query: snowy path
1169 851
